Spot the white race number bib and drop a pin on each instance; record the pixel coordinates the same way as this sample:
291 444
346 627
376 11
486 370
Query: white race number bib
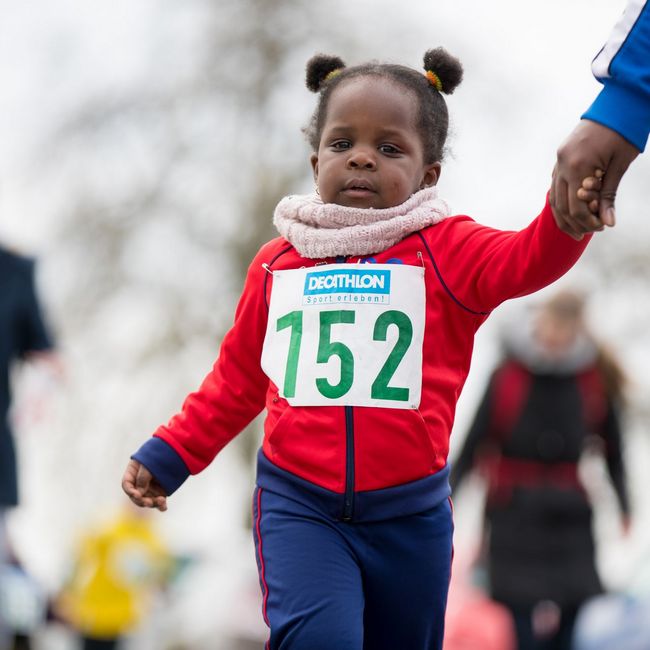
345 334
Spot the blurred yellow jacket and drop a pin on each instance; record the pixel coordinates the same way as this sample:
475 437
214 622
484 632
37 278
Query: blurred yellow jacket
117 571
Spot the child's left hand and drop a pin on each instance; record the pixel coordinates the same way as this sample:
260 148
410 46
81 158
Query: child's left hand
589 192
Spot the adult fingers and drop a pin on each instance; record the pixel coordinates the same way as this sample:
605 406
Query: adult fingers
576 208
559 203
581 193
580 217
579 156
608 191
568 173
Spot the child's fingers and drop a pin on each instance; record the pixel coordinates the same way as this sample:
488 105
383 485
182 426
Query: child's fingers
580 212
136 483
587 195
591 183
160 503
143 480
591 199
129 480
153 495
142 488
135 496
147 500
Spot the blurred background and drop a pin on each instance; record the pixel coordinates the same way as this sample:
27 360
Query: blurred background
144 146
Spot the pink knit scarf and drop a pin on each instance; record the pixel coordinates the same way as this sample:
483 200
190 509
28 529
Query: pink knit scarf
318 229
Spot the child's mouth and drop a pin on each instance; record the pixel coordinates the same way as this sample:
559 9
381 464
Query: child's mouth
358 188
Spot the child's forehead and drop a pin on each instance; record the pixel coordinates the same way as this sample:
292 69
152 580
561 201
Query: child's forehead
372 83
372 93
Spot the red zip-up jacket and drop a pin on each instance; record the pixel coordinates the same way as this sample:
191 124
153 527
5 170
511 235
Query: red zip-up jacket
363 462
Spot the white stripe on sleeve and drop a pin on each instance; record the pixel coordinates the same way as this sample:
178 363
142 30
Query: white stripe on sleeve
600 65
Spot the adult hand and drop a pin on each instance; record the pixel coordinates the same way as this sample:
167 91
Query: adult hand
142 488
590 146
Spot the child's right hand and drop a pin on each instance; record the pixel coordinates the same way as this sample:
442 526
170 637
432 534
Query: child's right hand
142 488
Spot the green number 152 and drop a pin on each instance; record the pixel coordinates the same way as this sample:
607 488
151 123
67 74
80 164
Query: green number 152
328 349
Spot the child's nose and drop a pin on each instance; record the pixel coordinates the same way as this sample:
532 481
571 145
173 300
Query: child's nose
361 158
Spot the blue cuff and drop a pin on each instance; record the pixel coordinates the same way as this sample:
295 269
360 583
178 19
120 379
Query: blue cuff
164 463
623 110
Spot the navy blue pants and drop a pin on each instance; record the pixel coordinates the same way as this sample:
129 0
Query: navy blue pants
352 586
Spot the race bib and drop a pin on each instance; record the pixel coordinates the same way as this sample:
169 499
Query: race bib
345 334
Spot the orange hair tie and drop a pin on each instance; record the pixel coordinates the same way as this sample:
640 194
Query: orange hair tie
434 79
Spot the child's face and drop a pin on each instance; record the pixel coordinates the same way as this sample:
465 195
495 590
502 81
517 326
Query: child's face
371 153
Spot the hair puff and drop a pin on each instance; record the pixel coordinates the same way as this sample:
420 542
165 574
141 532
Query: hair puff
446 67
318 67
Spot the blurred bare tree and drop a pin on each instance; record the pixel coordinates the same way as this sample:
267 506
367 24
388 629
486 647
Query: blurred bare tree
170 183
617 272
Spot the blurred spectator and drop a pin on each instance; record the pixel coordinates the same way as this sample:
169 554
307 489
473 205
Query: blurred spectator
620 621
118 569
23 604
555 392
22 335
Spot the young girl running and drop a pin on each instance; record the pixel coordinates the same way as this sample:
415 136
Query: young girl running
355 331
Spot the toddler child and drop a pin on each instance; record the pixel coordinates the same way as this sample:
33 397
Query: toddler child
355 331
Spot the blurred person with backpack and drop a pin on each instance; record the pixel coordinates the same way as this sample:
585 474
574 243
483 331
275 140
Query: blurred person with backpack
556 393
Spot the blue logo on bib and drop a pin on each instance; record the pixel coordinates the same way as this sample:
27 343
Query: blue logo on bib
347 286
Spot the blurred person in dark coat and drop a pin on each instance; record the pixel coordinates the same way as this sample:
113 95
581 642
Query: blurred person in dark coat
556 393
23 335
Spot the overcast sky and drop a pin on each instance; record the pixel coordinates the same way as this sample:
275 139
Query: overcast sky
528 61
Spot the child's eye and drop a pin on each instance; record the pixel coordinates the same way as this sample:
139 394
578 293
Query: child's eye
389 149
340 145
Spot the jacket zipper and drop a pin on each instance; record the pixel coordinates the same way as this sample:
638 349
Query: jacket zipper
348 502
348 498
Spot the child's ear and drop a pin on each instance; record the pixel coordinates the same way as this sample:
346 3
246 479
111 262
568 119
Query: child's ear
314 165
431 175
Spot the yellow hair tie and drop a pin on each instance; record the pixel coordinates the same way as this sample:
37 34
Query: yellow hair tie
434 79
330 75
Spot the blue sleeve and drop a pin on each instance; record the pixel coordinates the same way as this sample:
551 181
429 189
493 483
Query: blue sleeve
623 67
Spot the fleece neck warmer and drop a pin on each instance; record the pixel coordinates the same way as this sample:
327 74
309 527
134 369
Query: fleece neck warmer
318 230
